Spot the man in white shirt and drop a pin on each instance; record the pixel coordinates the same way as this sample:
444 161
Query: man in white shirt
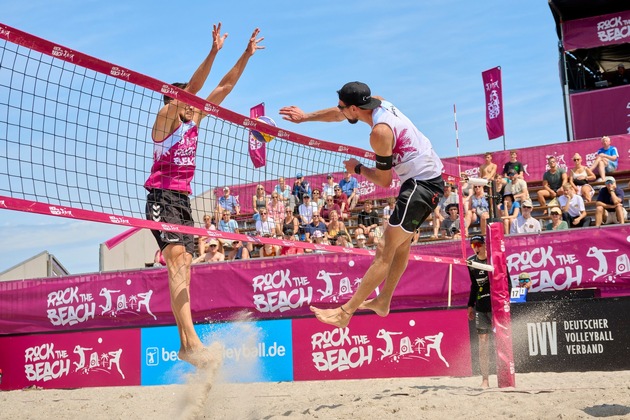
525 223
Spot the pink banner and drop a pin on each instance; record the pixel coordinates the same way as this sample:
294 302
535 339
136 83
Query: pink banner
257 148
534 159
596 31
287 286
99 358
500 297
601 112
401 345
493 89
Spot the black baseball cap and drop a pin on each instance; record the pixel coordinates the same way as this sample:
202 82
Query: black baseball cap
478 238
358 94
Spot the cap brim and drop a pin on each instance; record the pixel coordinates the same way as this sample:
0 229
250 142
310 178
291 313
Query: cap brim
374 103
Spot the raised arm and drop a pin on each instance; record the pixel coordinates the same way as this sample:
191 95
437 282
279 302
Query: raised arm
167 118
228 82
296 115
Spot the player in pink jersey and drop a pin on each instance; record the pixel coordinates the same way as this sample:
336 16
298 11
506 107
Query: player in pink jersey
174 134
399 147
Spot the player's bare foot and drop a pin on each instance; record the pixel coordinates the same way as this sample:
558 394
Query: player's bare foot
336 317
200 358
381 309
485 384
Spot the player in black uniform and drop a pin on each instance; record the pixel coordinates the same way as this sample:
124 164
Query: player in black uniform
479 307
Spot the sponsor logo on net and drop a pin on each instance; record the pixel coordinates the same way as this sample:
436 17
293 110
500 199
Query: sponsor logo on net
121 73
59 211
283 134
4 32
343 149
211 109
168 227
3 204
61 53
168 90
119 220
314 143
249 123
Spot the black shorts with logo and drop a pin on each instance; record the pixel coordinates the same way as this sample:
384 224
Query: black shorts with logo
416 201
170 207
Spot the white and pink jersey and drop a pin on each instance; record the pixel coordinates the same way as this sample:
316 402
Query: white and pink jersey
413 154
174 160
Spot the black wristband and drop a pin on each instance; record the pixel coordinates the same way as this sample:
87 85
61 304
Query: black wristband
357 169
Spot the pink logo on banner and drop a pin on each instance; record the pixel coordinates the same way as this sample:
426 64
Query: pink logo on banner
257 148
494 102
73 360
406 344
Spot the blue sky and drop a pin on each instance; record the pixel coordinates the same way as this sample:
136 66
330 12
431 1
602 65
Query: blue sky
422 56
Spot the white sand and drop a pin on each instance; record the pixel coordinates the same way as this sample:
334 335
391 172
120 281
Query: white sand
537 396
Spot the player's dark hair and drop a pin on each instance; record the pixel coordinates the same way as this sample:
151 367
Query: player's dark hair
180 85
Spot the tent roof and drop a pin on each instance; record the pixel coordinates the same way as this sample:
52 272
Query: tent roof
564 10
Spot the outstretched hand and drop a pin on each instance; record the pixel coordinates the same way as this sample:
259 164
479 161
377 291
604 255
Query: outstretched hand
292 113
253 46
217 39
350 164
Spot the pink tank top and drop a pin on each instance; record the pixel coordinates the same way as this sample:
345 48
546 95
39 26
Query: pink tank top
174 160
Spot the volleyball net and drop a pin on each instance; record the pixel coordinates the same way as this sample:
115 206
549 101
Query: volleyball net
75 142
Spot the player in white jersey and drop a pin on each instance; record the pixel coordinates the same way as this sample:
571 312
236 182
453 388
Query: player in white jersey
398 146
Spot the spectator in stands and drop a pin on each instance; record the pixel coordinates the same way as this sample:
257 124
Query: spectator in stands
368 221
283 190
329 205
290 223
479 209
269 250
524 279
316 224
301 187
265 225
379 230
259 201
621 77
389 208
319 239
317 198
307 210
158 259
516 186
350 187
525 223
450 225
335 226
361 242
275 208
226 224
513 164
573 210
579 177
341 200
499 184
556 222
510 210
552 183
202 242
238 252
489 169
606 160
289 235
610 204
440 213
466 189
328 188
343 240
227 202
213 253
